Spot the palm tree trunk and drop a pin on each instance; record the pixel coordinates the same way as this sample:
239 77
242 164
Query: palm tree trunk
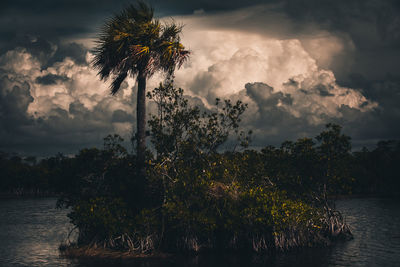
141 124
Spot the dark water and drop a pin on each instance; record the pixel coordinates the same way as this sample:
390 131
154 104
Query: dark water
32 229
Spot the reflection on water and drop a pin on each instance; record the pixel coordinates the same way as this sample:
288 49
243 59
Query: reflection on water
32 229
376 229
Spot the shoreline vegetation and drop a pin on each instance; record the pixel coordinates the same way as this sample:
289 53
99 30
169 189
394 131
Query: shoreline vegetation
338 230
197 197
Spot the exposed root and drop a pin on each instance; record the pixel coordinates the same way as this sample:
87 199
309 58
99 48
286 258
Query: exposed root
100 252
330 227
336 226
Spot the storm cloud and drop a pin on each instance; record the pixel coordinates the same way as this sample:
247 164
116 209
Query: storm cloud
56 109
298 65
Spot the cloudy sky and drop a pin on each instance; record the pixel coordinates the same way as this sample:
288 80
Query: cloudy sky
299 64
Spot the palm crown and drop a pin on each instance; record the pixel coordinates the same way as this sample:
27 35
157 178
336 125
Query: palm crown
133 43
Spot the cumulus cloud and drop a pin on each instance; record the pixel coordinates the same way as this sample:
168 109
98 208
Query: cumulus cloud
282 72
224 63
61 107
65 103
284 66
289 94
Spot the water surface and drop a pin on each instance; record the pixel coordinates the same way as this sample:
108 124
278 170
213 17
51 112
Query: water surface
32 229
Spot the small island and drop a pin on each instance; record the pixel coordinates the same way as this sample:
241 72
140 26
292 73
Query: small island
197 197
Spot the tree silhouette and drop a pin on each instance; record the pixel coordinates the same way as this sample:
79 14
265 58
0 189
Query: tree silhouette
133 43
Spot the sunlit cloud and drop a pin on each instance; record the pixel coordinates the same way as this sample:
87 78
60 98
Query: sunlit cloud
285 73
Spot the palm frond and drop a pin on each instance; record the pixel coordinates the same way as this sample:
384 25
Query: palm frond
140 12
171 32
116 84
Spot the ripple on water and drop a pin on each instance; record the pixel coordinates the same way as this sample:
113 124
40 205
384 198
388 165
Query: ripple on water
32 229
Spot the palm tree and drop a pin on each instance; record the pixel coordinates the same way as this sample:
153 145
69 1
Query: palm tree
133 43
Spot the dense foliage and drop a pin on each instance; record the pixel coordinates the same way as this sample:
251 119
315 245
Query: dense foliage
368 171
196 196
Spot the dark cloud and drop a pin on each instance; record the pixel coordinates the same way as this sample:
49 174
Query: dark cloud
50 79
341 15
308 110
121 116
373 27
13 104
359 40
323 90
53 18
53 127
47 51
265 97
73 50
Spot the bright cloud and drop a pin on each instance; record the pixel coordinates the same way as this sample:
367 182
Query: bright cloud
280 79
223 62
